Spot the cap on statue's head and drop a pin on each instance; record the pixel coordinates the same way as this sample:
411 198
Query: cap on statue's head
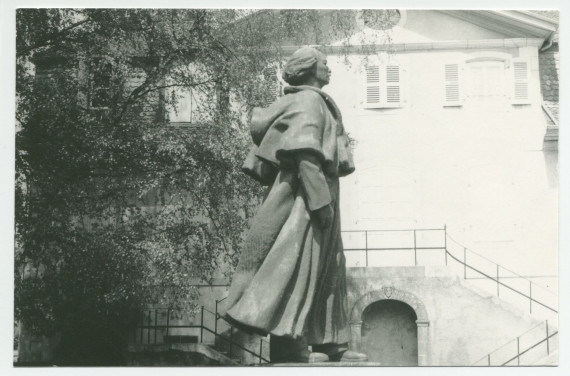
300 65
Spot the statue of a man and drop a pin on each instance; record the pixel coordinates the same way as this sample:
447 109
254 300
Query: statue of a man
290 280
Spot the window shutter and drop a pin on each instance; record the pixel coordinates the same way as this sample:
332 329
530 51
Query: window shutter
372 93
453 90
382 86
271 78
521 81
372 87
393 86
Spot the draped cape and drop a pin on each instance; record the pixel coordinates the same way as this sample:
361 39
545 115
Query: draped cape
290 280
304 119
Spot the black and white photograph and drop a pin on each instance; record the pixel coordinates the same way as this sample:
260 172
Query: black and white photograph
283 186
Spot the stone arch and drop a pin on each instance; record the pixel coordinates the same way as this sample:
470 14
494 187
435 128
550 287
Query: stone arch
391 293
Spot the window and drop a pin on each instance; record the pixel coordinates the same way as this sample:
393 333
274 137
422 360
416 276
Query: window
486 80
182 106
383 86
100 81
191 97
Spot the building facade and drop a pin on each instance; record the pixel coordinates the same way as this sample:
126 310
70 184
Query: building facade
454 117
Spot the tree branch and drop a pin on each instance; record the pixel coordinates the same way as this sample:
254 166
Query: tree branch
50 38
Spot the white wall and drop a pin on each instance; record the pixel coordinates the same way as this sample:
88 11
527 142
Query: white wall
478 168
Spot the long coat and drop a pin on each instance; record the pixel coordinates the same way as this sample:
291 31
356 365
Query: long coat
290 280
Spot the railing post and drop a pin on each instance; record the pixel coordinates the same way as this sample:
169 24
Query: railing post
518 351
216 320
261 349
464 263
489 360
202 325
498 284
445 242
148 326
366 245
530 295
547 342
167 320
155 324
142 327
415 251
231 342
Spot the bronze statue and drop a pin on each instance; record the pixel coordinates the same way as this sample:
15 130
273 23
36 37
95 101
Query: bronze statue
290 280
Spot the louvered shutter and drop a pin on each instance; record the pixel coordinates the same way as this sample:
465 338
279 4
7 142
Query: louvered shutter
521 81
271 78
393 86
372 97
453 90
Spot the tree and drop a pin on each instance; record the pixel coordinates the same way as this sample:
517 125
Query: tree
115 210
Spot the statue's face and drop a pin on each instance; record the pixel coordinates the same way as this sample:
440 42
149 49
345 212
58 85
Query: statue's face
322 72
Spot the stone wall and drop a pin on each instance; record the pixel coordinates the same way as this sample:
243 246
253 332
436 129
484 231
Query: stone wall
549 63
457 324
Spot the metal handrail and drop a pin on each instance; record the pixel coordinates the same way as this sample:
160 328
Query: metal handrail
219 317
508 343
501 283
444 247
447 253
155 327
520 353
530 348
502 267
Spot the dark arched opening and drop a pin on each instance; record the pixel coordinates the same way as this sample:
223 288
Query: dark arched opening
390 333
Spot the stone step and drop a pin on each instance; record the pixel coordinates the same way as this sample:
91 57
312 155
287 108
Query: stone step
323 364
177 354
549 360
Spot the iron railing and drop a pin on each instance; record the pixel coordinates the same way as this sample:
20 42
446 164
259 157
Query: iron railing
469 262
411 244
152 332
528 348
473 265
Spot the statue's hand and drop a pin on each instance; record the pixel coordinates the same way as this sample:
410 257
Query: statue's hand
324 216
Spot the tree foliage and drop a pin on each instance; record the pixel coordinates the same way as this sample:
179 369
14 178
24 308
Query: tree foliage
115 209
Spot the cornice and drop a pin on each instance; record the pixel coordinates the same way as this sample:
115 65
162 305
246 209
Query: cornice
512 23
426 46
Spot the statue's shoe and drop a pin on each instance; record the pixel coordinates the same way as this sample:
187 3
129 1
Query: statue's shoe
304 357
349 356
317 357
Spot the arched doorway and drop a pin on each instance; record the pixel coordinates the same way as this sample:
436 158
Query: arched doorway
387 293
390 333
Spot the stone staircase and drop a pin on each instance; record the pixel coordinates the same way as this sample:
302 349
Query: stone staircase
165 337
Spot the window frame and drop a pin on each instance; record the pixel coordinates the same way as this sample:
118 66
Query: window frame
90 83
377 80
512 77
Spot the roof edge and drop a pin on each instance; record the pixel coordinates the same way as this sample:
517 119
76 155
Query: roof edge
512 23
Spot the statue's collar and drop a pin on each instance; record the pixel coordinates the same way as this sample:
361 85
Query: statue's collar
328 100
296 89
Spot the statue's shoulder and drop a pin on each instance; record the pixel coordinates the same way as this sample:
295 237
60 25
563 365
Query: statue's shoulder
306 99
